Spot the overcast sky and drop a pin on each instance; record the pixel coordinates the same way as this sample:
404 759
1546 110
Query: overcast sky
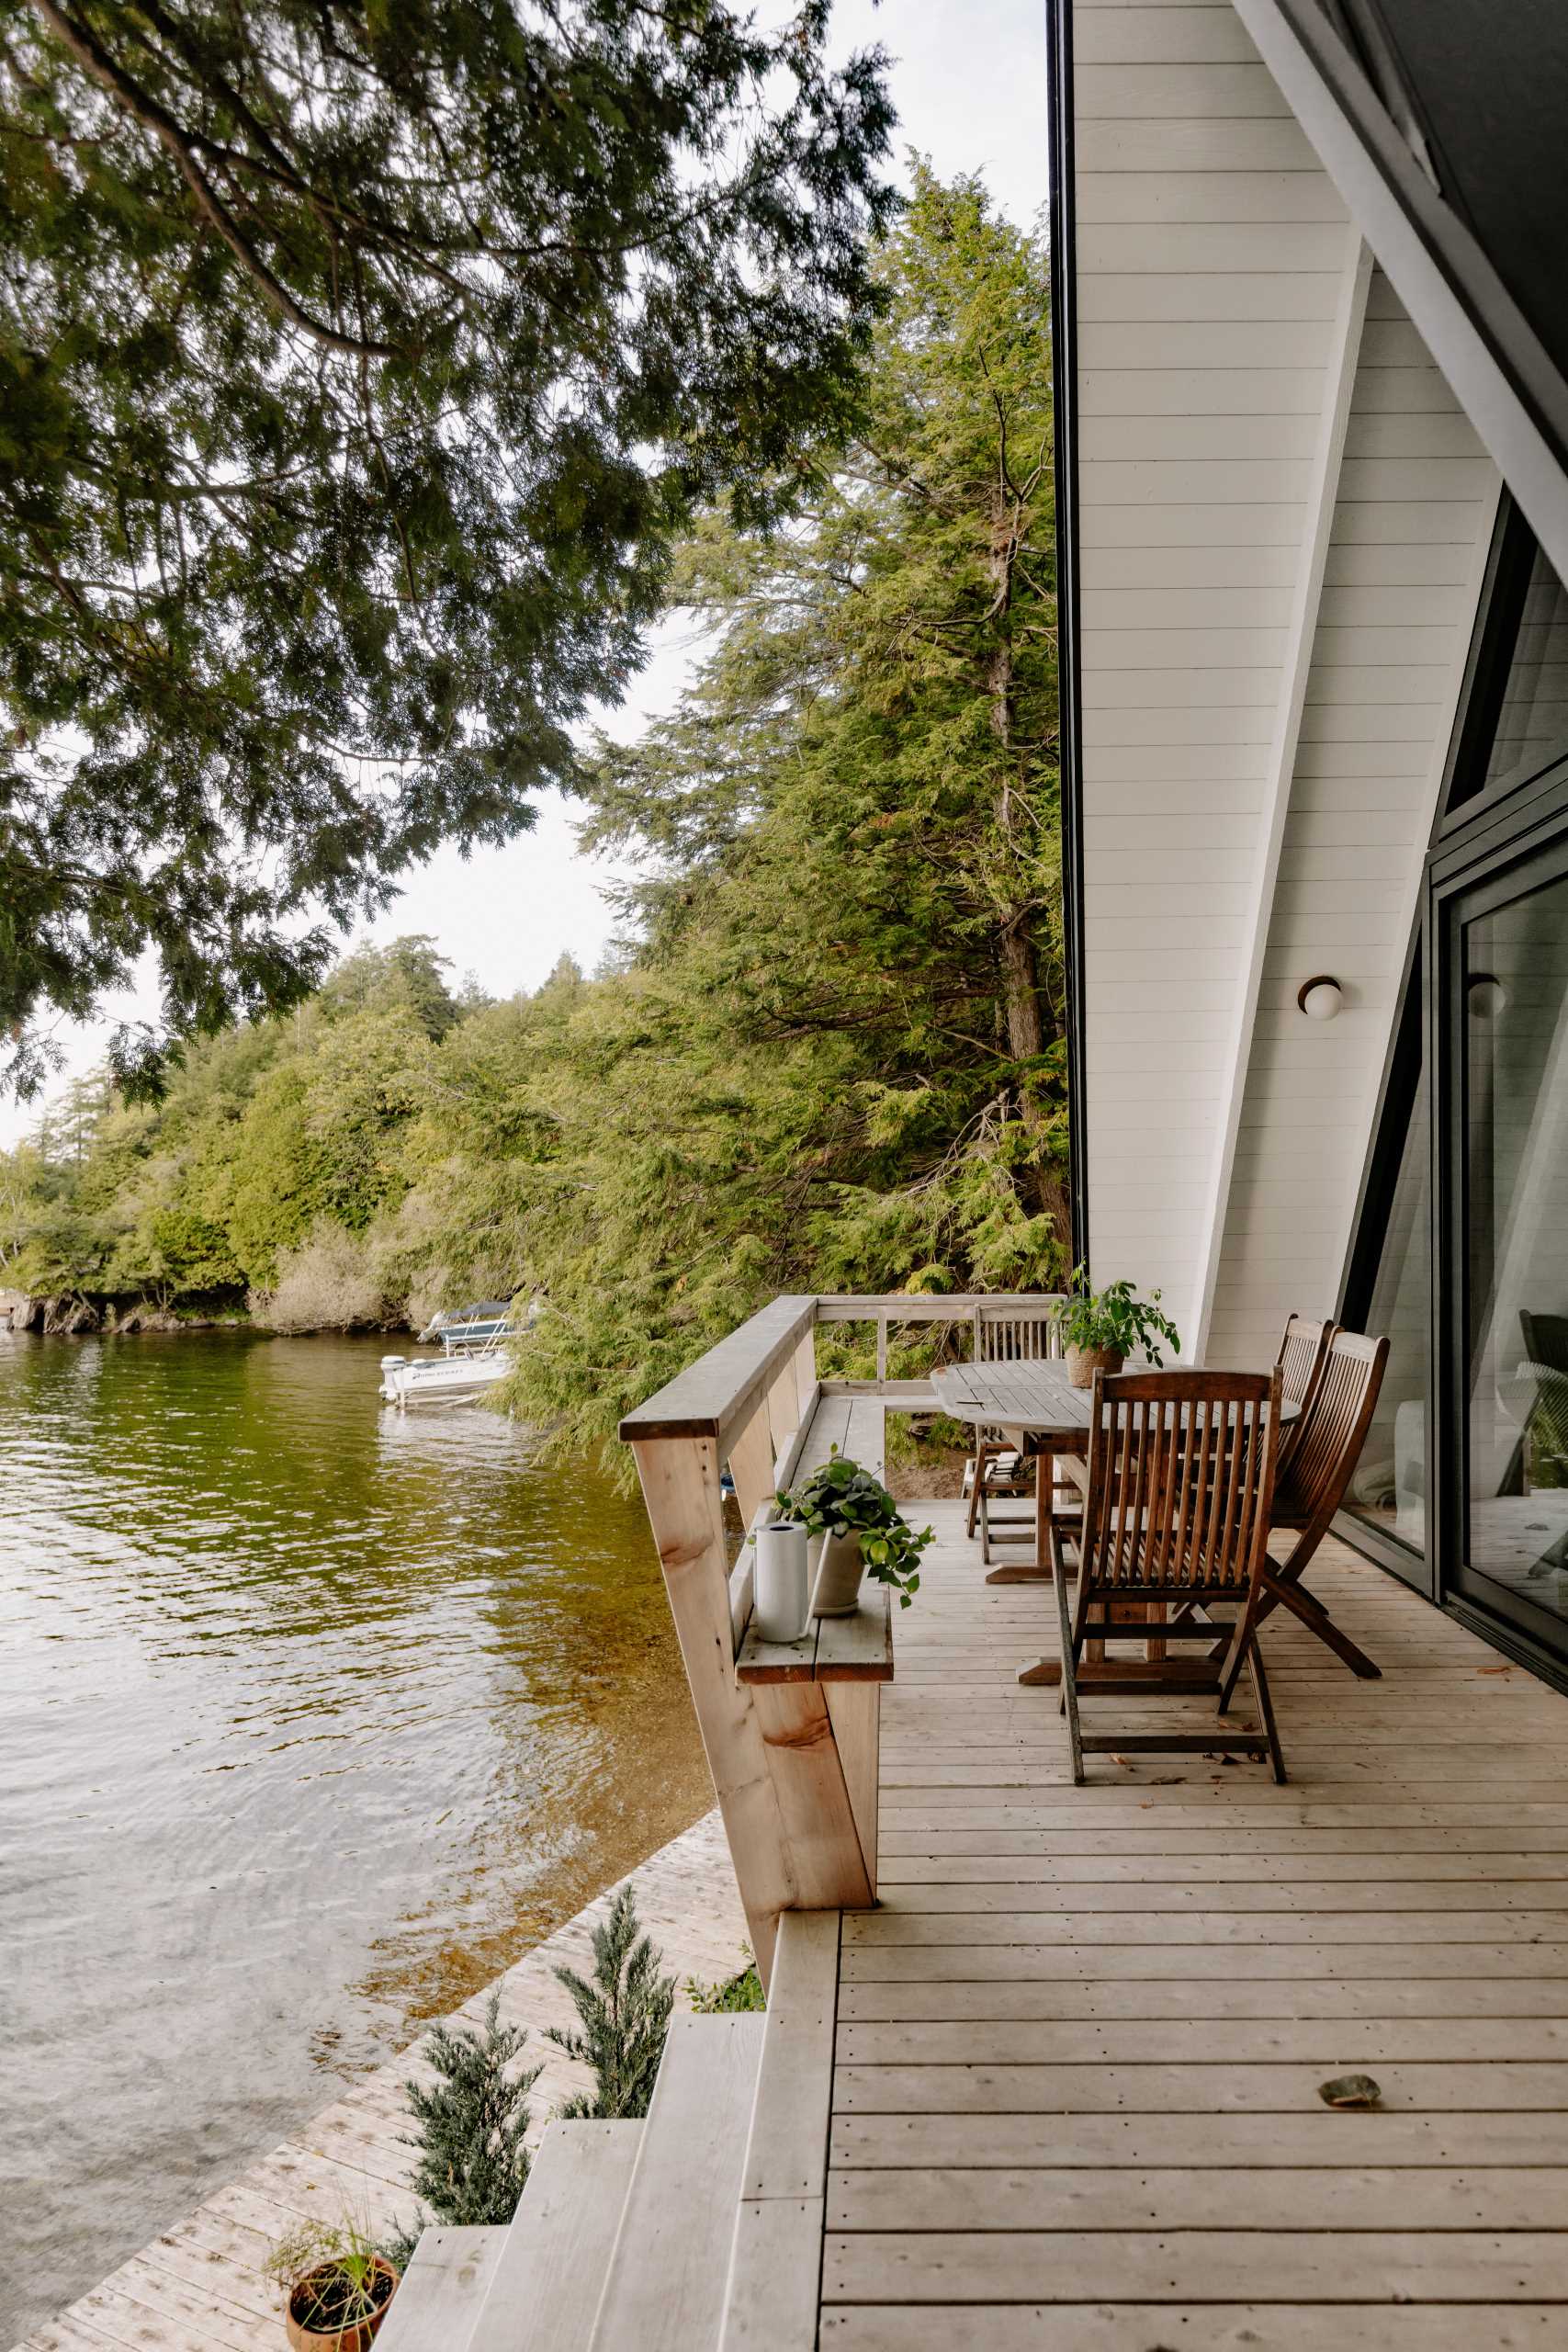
969 84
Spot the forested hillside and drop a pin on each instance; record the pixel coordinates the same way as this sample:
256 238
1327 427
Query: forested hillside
830 1055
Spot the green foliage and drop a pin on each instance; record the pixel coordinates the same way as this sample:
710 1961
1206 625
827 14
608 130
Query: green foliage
733 1995
828 1053
473 2165
1114 1317
625 2012
358 364
840 1499
288 1159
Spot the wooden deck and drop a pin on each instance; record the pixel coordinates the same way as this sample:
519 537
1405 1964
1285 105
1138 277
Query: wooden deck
1078 2046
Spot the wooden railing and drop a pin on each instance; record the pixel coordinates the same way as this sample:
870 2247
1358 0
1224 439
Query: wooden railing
791 1741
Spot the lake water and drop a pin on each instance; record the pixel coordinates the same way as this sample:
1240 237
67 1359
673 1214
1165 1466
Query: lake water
312 1718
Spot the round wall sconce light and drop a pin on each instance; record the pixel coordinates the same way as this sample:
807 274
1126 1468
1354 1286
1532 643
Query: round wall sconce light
1319 997
1486 996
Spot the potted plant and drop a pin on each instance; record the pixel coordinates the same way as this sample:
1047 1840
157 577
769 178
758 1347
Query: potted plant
1100 1328
337 2283
862 1534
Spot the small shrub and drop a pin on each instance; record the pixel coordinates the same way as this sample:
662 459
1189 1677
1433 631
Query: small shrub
731 1995
473 2166
326 1284
625 2012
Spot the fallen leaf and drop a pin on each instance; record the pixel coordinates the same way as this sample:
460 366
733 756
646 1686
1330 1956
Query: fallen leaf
1350 2090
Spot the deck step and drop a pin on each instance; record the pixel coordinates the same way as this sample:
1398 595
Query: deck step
770 2298
665 2288
443 2292
547 2285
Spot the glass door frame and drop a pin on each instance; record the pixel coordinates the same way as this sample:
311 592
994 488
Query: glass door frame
1504 848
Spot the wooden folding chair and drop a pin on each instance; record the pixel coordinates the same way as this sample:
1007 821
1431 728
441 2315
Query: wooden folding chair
1015 1333
1326 1446
1302 1352
1180 1481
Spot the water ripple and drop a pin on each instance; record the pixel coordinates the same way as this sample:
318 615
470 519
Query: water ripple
312 1718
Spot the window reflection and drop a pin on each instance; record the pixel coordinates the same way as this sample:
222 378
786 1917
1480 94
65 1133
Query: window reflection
1532 724
1516 975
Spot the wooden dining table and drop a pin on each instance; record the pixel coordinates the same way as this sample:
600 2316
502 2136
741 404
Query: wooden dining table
1037 1405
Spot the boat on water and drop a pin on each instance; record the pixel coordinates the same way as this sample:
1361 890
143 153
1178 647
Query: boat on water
473 1355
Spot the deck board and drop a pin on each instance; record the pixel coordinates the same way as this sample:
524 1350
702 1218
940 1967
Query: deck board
1074 2096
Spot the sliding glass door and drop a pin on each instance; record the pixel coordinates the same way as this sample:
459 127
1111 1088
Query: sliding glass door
1461 1251
1505 1136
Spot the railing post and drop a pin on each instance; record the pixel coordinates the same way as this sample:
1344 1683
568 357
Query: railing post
751 1463
805 1362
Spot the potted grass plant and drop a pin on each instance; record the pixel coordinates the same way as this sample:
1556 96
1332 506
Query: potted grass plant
337 2284
1100 1328
861 1533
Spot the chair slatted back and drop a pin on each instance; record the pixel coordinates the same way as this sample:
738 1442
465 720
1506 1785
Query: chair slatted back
1326 1443
1302 1351
1180 1480
1017 1334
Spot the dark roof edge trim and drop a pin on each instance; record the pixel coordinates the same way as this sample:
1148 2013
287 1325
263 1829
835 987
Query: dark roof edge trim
1509 386
1063 402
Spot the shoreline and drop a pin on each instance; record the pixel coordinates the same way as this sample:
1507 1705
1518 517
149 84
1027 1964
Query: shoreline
85 1318
200 2284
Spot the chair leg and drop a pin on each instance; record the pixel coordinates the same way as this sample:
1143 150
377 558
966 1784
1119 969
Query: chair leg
1265 1707
1311 1614
1235 1651
980 1460
1069 1662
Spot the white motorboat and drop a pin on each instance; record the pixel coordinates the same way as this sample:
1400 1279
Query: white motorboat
473 1357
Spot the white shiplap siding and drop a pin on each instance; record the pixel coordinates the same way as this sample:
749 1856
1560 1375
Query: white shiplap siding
1239 834
1416 500
1211 271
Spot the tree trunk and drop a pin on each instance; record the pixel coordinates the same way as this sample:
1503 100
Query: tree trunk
1023 1007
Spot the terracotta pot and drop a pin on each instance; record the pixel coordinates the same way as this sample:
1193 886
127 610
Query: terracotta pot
357 2338
1084 1362
838 1572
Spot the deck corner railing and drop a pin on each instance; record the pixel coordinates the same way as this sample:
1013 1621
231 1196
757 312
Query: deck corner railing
794 1756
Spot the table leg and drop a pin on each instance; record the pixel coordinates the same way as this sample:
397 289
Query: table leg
1047 1672
1038 1570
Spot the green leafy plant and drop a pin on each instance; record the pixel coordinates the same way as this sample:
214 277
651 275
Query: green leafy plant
840 1499
473 2165
731 1995
624 2011
1114 1318
335 2275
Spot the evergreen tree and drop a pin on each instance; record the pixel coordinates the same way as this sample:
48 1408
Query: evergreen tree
624 2011
473 2165
838 1060
358 362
